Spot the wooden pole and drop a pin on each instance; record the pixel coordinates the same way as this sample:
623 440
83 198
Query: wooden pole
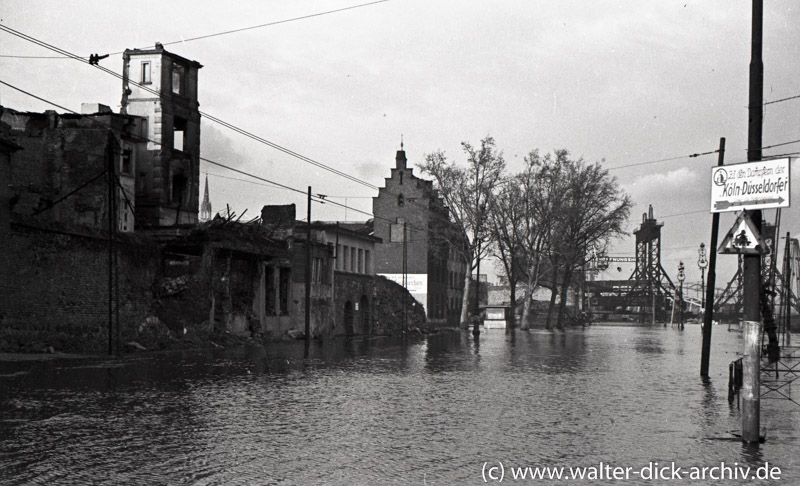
708 317
308 270
751 400
405 280
110 205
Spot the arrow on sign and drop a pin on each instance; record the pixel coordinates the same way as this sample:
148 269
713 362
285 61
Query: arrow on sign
729 204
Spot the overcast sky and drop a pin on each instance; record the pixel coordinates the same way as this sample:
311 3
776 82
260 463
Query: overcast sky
620 82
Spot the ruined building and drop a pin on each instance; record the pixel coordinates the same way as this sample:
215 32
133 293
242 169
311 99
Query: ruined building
165 95
61 174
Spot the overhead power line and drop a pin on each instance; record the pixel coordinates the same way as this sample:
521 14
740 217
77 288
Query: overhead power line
636 164
226 32
782 100
209 116
321 199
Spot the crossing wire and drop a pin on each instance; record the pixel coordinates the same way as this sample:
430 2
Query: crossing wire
321 199
204 114
272 144
213 118
233 31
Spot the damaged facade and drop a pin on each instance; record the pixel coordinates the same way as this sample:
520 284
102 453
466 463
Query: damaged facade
160 278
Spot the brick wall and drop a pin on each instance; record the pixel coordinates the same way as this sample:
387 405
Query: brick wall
59 291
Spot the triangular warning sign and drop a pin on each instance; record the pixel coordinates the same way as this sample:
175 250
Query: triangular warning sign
743 237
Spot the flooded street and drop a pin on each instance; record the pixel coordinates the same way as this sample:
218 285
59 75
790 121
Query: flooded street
432 410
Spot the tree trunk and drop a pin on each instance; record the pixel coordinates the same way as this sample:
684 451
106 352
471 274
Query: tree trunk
465 300
553 293
513 316
562 306
526 308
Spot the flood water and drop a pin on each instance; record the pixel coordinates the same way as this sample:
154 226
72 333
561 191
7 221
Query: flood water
436 410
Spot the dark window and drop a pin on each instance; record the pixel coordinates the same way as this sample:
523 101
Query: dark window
270 307
127 160
179 183
316 270
141 183
283 290
401 201
401 178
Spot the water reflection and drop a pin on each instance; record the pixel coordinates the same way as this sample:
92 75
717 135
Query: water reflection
380 410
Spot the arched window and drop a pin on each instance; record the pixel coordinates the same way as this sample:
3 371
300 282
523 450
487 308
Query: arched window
401 201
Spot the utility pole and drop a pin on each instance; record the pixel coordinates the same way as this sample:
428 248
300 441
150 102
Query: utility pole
751 361
708 316
110 170
405 279
308 270
113 270
681 278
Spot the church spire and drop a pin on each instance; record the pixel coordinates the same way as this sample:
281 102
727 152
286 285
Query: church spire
205 206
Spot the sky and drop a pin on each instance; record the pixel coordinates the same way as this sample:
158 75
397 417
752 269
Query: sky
620 83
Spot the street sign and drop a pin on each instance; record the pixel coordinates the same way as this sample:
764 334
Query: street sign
752 185
744 238
616 259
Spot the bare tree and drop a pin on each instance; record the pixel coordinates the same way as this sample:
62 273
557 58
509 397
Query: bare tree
467 192
592 211
508 225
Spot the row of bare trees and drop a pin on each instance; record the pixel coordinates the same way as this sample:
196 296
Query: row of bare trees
541 223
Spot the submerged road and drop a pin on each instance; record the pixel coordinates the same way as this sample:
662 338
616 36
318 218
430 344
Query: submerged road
444 409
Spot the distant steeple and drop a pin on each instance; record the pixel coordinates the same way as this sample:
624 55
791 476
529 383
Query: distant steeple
205 206
400 158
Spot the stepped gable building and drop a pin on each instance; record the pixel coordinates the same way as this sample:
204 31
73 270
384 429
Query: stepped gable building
162 88
434 270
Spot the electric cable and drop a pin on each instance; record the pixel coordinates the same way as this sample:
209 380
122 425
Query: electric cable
217 34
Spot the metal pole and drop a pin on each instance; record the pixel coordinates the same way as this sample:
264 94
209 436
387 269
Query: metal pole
703 288
751 400
708 316
308 270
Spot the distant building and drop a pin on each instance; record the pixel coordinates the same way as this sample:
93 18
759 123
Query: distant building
413 222
168 173
205 206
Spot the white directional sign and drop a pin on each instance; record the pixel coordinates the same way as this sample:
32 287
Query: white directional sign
753 185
